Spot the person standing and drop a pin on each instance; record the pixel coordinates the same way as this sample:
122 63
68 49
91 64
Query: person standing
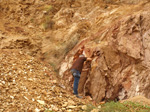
76 70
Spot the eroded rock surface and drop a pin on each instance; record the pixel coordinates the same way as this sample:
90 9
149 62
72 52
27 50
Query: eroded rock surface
59 25
120 65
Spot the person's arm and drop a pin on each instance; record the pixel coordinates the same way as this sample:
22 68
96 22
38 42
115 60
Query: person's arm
84 70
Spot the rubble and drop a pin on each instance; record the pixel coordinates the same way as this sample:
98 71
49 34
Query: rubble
26 86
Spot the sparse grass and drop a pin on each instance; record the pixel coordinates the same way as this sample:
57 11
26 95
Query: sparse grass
48 8
53 65
31 20
71 43
124 107
114 107
90 107
120 107
48 23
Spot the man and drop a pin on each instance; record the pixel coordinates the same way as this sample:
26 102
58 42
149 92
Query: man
76 70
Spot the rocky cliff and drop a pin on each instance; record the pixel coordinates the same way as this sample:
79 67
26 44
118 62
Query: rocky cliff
56 26
120 65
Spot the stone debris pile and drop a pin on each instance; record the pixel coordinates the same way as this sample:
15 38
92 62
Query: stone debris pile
27 85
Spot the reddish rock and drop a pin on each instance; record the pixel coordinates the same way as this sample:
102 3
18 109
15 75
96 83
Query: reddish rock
120 65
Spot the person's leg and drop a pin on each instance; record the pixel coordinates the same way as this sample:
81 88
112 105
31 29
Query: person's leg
75 86
76 75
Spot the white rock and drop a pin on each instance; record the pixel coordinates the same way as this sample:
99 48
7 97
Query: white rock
26 98
13 80
38 97
69 110
3 82
30 79
99 106
41 102
65 104
12 97
37 110
33 99
71 107
84 107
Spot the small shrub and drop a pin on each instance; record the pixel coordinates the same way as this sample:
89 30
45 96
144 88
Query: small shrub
89 108
124 107
48 8
48 24
114 107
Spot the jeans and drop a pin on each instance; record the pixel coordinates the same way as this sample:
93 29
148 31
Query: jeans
76 75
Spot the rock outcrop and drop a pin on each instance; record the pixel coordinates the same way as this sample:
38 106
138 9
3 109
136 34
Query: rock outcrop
59 24
120 65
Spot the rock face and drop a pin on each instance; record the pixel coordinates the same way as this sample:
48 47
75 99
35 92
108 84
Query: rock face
120 65
58 24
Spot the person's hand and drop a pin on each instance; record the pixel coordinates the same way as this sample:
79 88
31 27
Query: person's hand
84 70
89 59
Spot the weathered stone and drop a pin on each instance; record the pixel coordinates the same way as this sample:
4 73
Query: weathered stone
41 102
65 104
84 107
120 64
37 110
31 90
69 110
71 107
71 102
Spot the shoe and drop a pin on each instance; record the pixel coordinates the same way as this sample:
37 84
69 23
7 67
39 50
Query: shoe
79 96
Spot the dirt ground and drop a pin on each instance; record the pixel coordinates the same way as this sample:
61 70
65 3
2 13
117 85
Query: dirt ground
26 84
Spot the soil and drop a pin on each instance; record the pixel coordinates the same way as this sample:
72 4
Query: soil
27 84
